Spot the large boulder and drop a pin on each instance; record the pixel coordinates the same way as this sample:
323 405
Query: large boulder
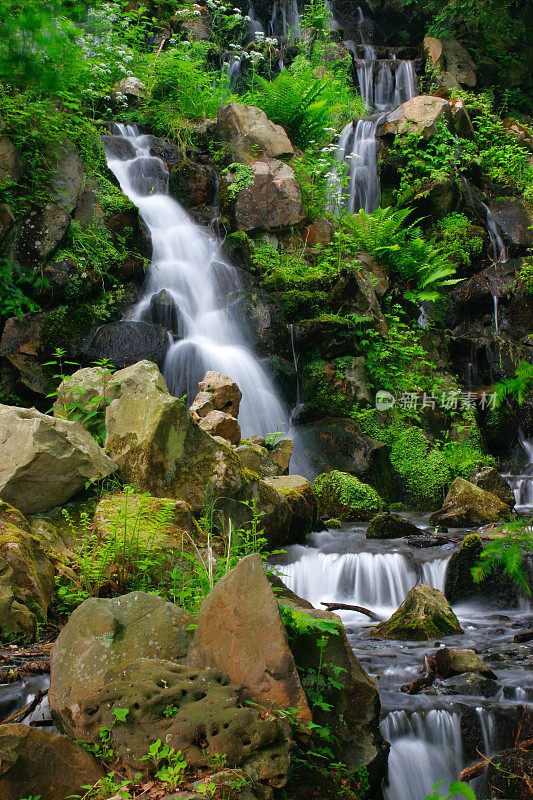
420 114
272 200
237 618
44 228
26 576
44 461
456 662
198 712
158 523
249 134
458 63
159 447
216 406
424 614
514 219
336 443
106 635
390 526
344 497
300 496
490 480
459 584
54 766
124 343
353 710
469 506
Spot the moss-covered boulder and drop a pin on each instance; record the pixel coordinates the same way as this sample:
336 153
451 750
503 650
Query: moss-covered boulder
345 497
300 496
26 576
490 480
460 585
469 506
196 711
390 526
424 614
450 662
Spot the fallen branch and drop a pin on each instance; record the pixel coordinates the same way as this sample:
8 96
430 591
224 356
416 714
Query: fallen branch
472 772
22 713
526 636
347 607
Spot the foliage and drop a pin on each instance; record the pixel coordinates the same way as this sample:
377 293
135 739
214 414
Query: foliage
242 176
459 238
399 247
341 493
228 26
519 387
508 551
13 282
524 276
455 789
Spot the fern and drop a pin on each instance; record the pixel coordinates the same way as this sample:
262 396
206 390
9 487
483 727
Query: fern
508 552
519 387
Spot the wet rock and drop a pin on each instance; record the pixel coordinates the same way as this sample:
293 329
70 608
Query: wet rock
455 662
345 497
280 453
118 147
44 461
300 496
514 220
459 583
26 576
273 200
33 760
164 311
509 774
390 526
44 228
466 684
353 715
209 717
250 134
218 423
131 89
148 176
105 636
236 619
425 614
420 115
354 293
490 480
126 343
461 120
264 318
468 506
11 165
337 443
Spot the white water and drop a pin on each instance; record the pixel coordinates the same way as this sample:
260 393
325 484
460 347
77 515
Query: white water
378 581
383 84
522 485
426 747
186 262
285 20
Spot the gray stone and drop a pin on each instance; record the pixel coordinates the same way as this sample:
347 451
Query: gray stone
272 201
419 115
250 134
11 165
44 461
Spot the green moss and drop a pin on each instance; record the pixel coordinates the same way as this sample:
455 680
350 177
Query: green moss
424 614
345 497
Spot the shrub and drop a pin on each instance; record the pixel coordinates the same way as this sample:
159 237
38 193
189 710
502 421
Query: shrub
345 497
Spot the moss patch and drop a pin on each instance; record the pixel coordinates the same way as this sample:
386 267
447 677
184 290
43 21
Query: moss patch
345 497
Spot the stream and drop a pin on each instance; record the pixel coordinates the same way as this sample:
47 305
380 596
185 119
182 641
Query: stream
433 736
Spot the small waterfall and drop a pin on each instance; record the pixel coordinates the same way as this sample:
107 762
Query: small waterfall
299 394
232 69
487 723
285 20
186 263
379 581
383 84
497 249
522 485
426 748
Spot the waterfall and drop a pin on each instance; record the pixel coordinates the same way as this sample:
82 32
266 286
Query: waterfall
497 249
522 484
285 19
383 84
187 264
379 581
426 748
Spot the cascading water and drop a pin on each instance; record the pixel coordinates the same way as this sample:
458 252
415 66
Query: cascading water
522 484
383 84
285 19
187 264
497 249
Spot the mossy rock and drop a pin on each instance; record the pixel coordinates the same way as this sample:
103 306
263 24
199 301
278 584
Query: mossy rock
299 494
425 614
391 526
469 506
345 497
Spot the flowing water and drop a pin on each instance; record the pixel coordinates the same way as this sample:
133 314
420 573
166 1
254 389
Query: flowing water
383 85
522 483
433 736
187 264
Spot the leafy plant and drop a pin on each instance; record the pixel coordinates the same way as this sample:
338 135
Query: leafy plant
242 176
455 789
13 282
508 551
519 387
